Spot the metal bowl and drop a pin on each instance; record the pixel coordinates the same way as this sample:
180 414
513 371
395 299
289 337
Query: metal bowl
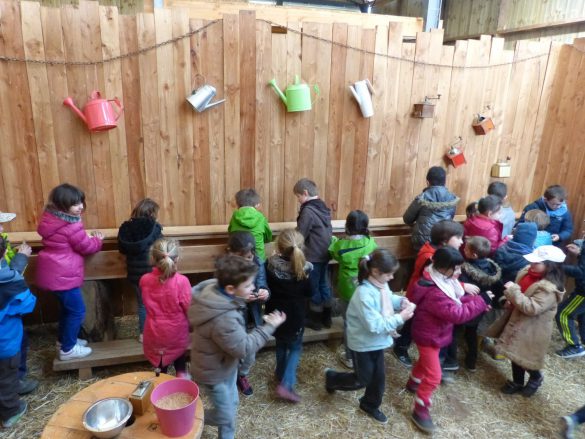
107 417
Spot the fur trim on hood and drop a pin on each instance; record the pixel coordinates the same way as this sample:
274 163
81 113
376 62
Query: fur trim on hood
437 205
481 277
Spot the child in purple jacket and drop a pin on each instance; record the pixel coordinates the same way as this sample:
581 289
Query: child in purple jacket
441 303
60 263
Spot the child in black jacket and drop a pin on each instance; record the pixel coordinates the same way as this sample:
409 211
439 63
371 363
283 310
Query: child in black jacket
135 238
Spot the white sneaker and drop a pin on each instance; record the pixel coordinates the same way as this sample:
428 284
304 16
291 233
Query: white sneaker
79 341
77 352
140 338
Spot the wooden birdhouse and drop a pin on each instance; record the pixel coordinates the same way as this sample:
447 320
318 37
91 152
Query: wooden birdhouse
426 108
455 154
501 169
483 125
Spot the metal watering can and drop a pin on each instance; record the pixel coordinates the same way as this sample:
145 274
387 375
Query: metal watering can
98 114
201 98
298 95
361 91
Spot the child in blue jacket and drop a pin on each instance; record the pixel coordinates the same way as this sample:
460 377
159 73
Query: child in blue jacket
15 300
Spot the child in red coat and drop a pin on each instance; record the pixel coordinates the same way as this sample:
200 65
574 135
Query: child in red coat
484 223
167 297
441 303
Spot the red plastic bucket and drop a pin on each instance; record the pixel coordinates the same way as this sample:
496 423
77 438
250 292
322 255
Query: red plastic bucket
175 422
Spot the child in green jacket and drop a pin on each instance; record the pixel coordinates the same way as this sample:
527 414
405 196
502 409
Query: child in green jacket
348 251
247 218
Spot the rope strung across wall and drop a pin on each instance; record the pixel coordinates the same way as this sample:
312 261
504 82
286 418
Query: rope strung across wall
281 29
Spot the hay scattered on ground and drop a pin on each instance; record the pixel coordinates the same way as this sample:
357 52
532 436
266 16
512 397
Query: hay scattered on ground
471 407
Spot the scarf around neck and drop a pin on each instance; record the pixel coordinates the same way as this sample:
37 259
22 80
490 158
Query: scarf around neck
387 308
530 278
448 285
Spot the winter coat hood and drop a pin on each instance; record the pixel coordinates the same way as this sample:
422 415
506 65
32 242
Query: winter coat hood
248 219
438 198
211 303
138 234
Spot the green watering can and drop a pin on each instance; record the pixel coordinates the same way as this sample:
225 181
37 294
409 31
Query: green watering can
298 96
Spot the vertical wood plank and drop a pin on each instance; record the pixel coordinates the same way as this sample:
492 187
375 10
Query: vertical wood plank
263 116
336 98
147 62
307 118
132 109
110 37
232 63
183 124
247 84
278 192
201 140
172 198
32 35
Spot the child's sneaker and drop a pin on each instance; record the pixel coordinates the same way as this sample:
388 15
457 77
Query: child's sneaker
567 427
376 414
76 352
286 394
531 387
79 341
13 420
141 338
347 362
571 351
403 358
421 416
511 388
244 385
328 376
27 385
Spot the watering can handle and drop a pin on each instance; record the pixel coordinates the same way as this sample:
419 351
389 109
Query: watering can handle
370 87
198 76
317 93
120 107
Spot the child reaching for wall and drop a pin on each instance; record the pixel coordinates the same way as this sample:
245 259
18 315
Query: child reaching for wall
441 303
220 339
524 332
15 300
60 264
348 251
167 297
135 238
288 278
373 315
506 214
248 218
243 244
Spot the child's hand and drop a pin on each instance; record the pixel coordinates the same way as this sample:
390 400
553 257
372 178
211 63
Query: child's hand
405 303
25 249
574 249
555 237
407 312
275 318
471 289
509 284
262 294
97 234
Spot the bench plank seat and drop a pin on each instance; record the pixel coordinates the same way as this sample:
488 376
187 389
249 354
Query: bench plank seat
110 353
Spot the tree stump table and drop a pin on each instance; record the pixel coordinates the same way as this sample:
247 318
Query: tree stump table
66 422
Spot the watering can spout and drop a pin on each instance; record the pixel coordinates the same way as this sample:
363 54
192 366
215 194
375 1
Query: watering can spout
213 104
278 91
69 103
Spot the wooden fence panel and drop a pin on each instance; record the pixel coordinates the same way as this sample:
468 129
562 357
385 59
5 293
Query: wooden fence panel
193 163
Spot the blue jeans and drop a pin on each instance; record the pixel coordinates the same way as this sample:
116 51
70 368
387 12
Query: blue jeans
141 308
224 402
320 289
288 355
72 316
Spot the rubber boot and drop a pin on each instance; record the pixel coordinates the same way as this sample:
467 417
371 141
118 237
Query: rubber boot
326 317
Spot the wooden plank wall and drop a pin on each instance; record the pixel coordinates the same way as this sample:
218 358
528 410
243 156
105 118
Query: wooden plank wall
193 163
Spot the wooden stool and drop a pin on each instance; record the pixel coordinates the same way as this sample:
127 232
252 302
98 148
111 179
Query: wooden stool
66 422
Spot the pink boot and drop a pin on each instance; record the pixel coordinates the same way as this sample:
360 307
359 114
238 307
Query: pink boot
412 384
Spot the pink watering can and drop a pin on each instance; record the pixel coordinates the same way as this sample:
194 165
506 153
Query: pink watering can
98 114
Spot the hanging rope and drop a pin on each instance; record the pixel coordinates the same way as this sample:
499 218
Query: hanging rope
288 29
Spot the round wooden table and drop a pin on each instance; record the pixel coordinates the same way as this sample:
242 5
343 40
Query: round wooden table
66 422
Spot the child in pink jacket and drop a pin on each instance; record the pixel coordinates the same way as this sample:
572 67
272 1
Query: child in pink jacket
441 303
483 223
167 296
60 263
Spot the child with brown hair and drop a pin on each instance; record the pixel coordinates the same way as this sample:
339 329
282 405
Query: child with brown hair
135 238
287 272
167 297
484 223
542 221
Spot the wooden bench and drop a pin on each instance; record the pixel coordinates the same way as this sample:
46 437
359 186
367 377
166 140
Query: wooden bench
110 353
